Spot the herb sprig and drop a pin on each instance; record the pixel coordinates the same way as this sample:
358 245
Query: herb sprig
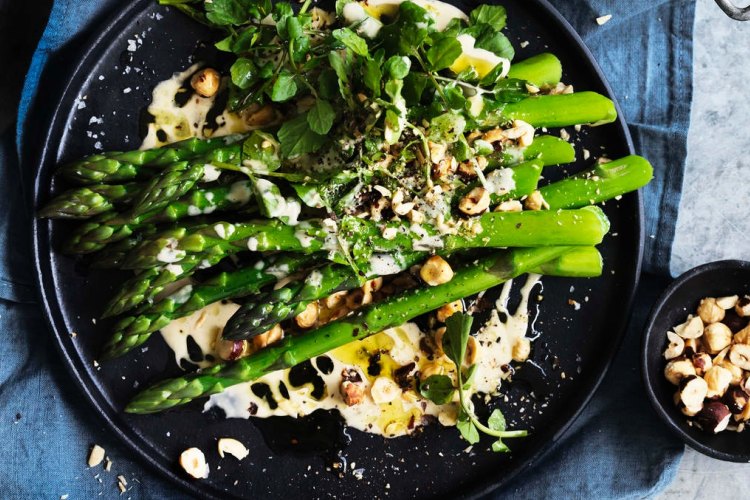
440 388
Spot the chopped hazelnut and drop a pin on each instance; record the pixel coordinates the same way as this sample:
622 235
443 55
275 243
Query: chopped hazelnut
475 202
449 310
308 317
718 379
230 350
716 337
714 417
267 338
535 201
743 307
194 462
676 346
384 390
709 311
739 355
702 363
691 329
232 447
677 369
96 456
206 82
436 271
521 350
693 391
352 387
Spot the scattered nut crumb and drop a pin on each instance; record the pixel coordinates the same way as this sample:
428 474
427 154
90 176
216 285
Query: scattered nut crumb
96 456
602 20
233 447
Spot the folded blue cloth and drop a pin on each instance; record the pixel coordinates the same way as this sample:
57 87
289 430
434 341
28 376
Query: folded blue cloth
617 449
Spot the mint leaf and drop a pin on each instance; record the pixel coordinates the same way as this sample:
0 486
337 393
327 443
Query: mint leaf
243 72
494 15
408 32
443 53
372 75
321 116
456 336
297 138
351 40
496 422
438 389
284 87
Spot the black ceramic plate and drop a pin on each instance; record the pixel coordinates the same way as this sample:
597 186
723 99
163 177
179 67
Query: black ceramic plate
112 84
717 279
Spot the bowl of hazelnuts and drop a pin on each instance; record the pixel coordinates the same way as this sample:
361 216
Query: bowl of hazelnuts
696 359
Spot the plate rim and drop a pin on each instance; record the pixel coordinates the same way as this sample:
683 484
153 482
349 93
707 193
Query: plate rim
96 43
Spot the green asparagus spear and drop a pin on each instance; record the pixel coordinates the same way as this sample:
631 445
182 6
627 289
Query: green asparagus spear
167 185
124 166
110 228
603 182
562 110
468 280
581 262
542 70
363 238
134 330
85 202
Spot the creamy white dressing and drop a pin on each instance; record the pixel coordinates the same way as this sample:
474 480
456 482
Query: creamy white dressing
500 181
170 253
383 264
404 411
179 123
204 326
240 192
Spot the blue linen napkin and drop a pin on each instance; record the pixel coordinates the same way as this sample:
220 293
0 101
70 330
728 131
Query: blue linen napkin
616 449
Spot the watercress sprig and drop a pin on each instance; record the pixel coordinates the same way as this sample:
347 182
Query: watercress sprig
440 388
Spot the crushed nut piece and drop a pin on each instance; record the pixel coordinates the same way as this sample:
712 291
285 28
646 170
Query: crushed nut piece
96 456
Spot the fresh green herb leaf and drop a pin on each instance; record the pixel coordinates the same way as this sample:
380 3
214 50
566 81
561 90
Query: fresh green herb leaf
397 67
410 29
297 138
456 336
438 389
496 43
321 116
243 72
500 447
228 12
447 128
225 44
496 422
328 84
443 53
466 427
351 40
494 15
262 151
372 75
414 86
284 88
339 65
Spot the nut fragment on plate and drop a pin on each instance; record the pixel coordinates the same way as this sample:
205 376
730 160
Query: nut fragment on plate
708 359
232 447
194 462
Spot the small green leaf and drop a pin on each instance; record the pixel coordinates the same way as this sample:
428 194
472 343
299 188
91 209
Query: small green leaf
496 43
243 72
443 53
245 40
328 84
372 75
467 429
438 389
227 12
321 116
297 138
339 65
496 422
500 447
293 28
397 67
225 44
262 150
468 379
284 88
454 97
410 29
351 40
458 327
414 85
494 15
447 127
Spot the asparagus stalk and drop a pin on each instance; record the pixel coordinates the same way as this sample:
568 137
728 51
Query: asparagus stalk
580 262
603 182
542 70
468 280
134 330
166 186
362 238
85 202
550 150
118 166
110 228
563 110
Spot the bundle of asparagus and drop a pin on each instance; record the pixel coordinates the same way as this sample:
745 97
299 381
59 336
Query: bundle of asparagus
376 167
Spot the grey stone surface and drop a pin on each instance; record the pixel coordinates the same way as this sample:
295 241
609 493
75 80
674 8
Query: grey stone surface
713 223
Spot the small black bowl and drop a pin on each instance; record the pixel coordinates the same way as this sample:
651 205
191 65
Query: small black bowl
717 279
